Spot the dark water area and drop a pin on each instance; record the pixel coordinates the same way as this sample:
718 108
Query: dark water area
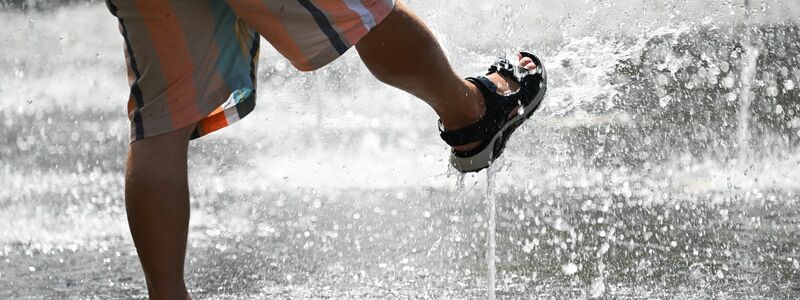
684 87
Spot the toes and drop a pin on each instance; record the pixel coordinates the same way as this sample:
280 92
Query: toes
527 62
530 66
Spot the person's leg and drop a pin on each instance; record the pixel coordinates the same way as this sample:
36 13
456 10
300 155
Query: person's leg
402 52
157 201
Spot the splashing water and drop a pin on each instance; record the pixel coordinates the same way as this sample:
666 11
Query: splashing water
745 98
746 92
622 186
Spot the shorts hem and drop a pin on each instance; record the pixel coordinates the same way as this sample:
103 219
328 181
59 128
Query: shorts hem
319 59
207 123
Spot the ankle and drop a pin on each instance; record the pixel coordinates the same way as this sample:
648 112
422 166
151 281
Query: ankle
178 295
466 110
174 291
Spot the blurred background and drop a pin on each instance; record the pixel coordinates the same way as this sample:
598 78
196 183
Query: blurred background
664 163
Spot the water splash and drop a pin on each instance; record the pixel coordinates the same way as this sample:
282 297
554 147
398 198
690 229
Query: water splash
745 99
746 77
646 121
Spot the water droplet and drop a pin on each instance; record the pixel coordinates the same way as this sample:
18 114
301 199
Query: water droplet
728 82
569 268
598 288
724 67
664 101
772 91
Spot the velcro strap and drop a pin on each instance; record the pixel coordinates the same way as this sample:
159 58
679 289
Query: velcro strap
487 83
528 80
483 129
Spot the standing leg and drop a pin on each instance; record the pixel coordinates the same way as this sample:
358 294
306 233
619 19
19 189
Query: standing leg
402 52
157 201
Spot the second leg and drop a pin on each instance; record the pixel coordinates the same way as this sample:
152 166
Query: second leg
157 202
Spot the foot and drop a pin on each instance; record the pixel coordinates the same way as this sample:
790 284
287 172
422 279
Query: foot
504 85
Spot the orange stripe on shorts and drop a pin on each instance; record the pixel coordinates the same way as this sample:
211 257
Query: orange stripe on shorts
212 123
170 46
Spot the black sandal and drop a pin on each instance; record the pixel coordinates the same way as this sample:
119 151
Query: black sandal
494 129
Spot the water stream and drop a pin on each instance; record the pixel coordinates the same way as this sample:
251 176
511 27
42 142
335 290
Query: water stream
745 99
491 237
747 76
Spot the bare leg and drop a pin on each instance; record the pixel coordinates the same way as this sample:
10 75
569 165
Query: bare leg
402 52
157 201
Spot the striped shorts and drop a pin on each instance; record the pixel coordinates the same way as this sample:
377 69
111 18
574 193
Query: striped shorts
195 61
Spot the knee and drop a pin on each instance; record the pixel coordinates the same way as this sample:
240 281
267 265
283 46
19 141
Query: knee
157 158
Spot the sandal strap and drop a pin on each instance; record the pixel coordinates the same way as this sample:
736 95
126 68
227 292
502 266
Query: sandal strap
504 67
528 80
